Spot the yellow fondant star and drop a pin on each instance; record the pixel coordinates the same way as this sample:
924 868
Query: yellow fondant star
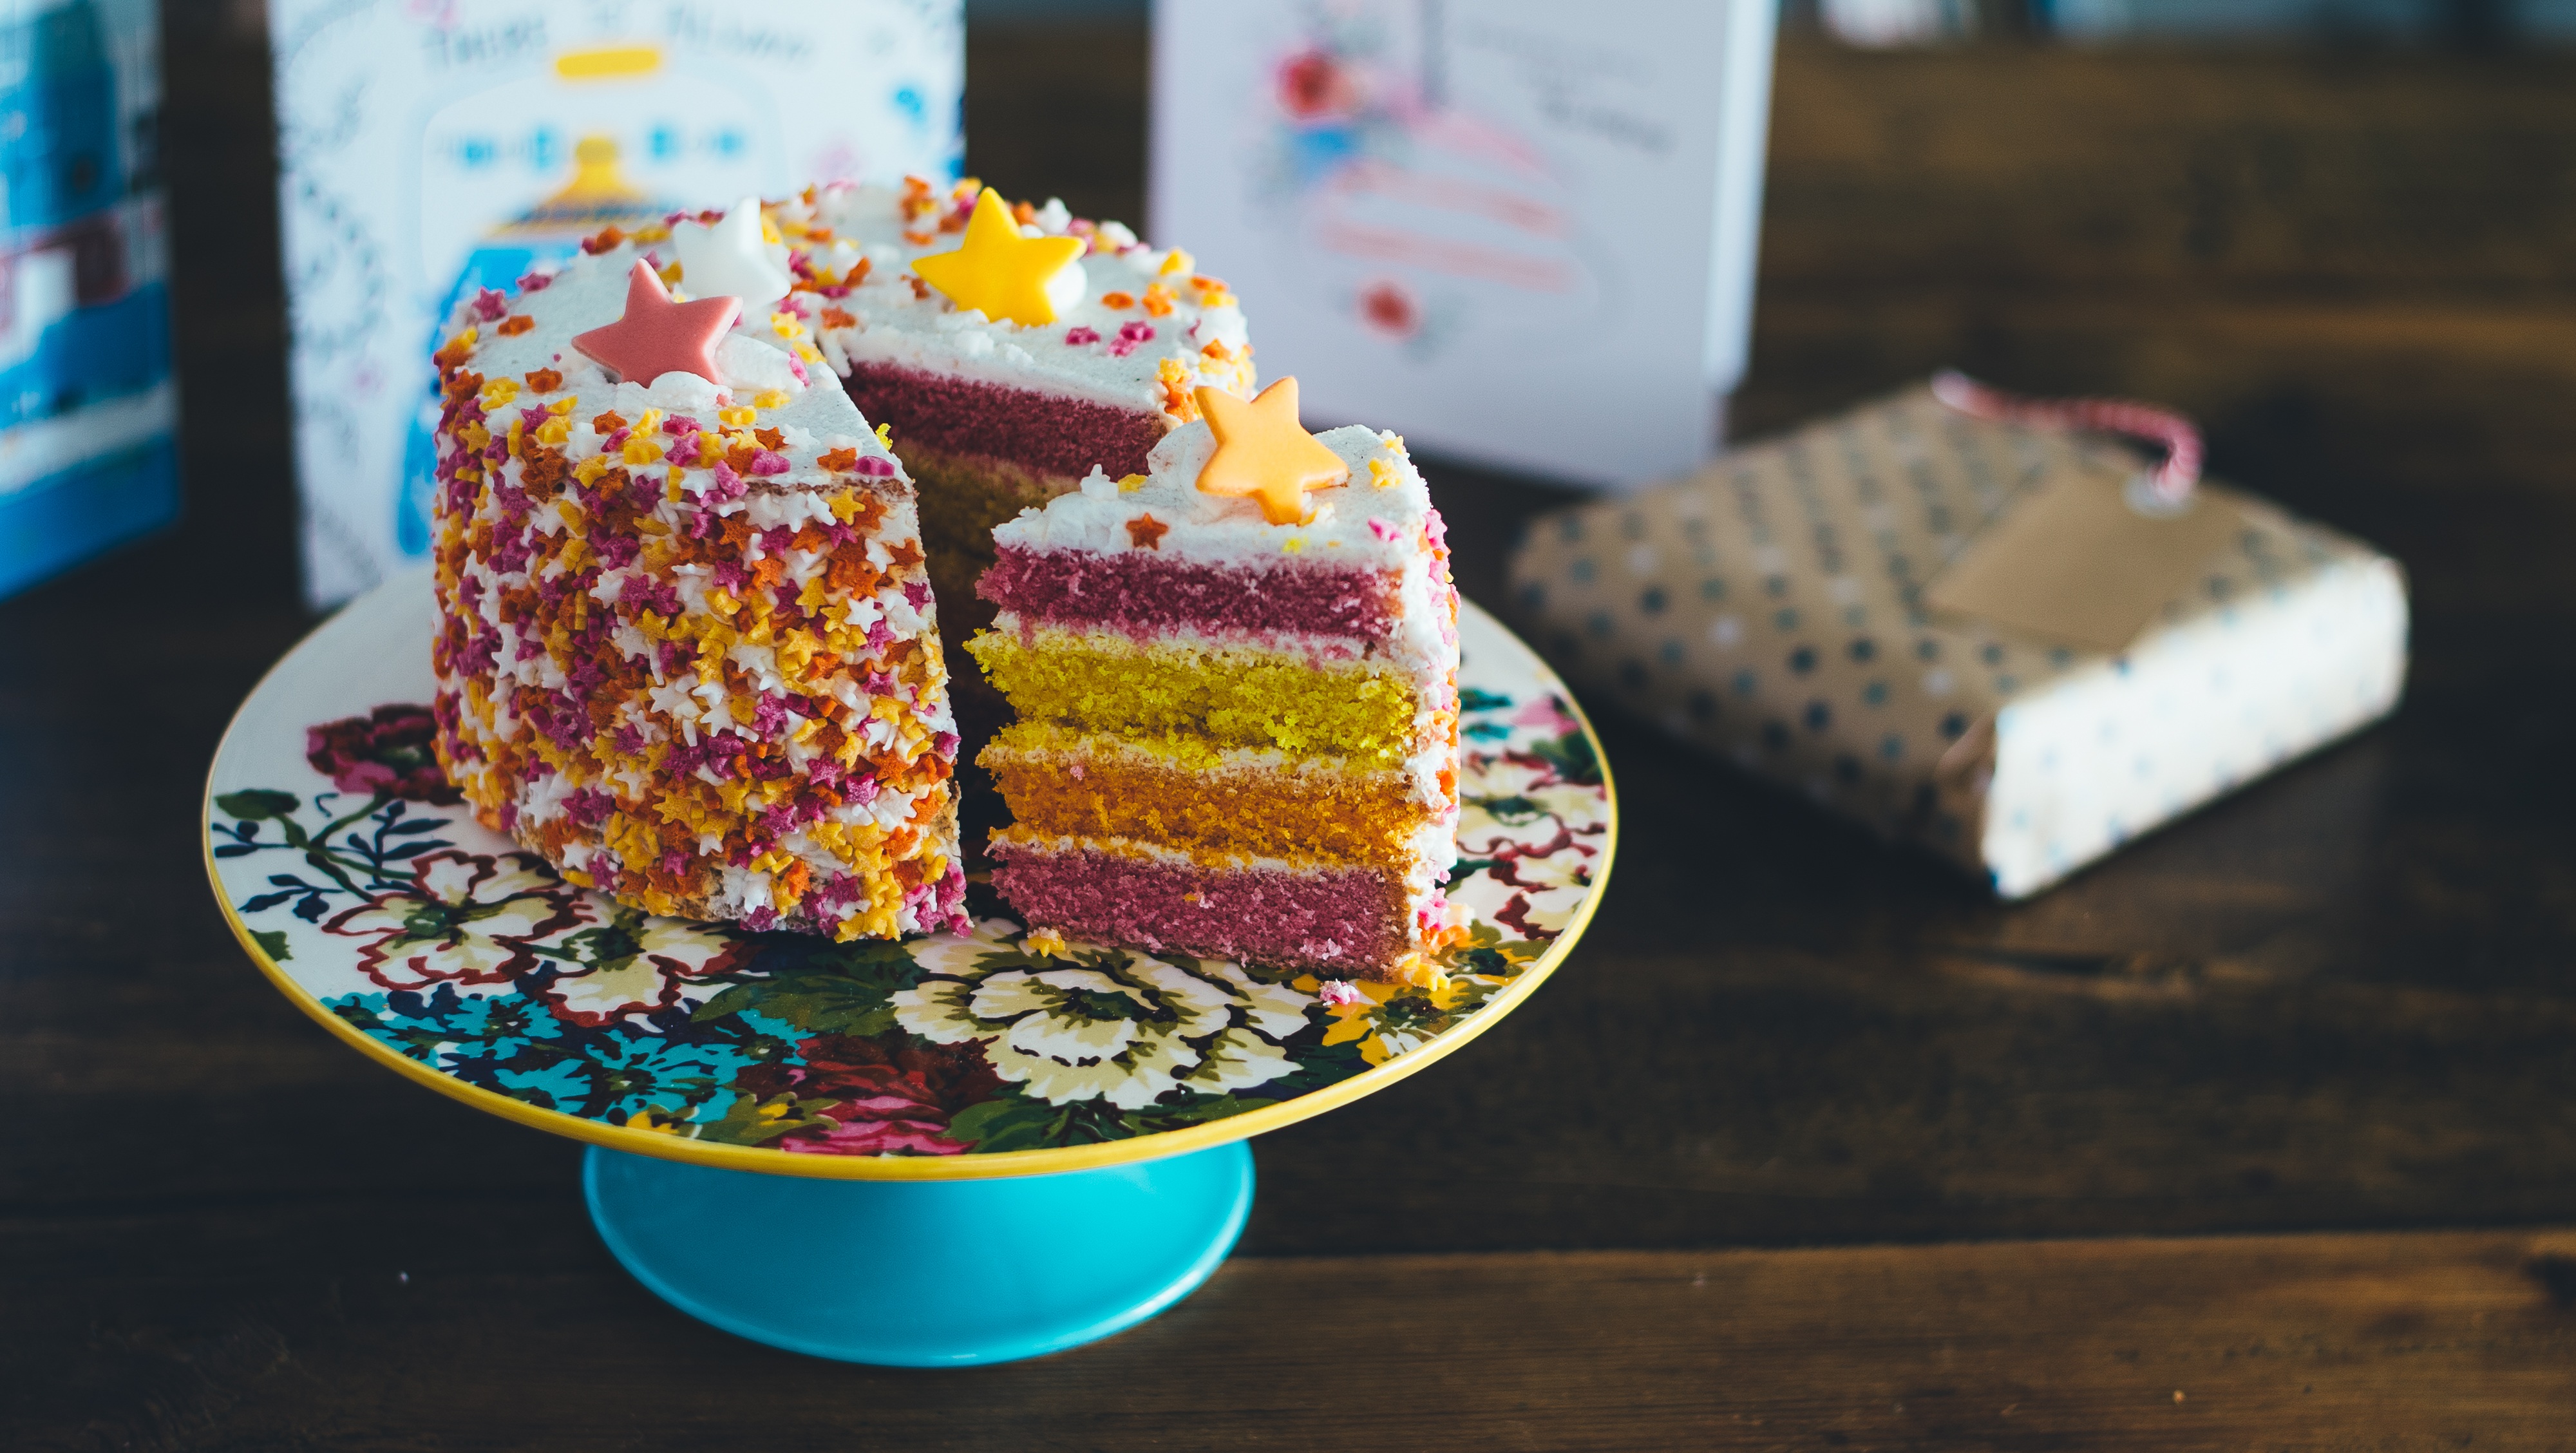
1262 451
1022 279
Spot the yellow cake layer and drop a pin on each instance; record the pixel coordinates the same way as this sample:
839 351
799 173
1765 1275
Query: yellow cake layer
1187 794
1233 695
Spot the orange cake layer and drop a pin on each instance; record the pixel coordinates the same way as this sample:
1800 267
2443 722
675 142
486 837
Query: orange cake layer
1076 785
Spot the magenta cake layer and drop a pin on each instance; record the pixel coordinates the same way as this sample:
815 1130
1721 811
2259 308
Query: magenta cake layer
1341 921
1042 432
1144 593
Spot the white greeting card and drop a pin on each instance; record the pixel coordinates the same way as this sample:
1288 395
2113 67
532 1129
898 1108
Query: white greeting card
431 147
1518 231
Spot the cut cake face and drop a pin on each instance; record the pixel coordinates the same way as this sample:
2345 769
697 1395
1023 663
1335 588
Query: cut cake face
687 648
992 415
1235 738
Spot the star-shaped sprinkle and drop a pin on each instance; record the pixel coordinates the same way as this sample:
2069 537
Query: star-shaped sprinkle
1262 451
730 258
1146 533
1025 280
658 336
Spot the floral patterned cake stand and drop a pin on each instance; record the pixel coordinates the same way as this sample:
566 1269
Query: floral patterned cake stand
946 1151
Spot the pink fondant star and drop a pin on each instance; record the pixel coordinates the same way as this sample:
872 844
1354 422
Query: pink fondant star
658 336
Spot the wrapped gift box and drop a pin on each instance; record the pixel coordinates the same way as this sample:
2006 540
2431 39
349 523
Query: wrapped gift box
1772 608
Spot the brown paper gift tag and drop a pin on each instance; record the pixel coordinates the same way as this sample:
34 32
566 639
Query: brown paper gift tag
2073 558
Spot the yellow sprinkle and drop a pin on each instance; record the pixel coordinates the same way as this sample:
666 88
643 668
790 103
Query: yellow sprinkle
770 399
1294 545
1382 474
554 430
786 325
1131 483
576 875
1044 943
808 351
1177 261
885 435
563 405
651 421
641 451
499 391
735 416
589 470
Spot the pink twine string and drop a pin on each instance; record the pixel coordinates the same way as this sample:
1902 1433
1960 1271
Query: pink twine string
2172 481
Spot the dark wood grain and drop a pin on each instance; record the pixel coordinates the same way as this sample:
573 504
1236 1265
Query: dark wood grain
459 1328
2341 1000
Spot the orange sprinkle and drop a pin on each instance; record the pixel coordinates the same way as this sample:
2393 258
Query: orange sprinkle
544 380
516 324
1158 299
1116 300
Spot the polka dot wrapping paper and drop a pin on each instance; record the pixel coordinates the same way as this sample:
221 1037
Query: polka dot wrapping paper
1770 609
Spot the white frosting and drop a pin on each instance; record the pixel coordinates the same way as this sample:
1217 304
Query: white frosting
731 258
757 358
1079 355
1374 522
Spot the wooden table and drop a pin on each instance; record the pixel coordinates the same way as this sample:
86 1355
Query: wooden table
2255 1136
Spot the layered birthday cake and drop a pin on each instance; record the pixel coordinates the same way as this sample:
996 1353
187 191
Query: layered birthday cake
1235 679
687 647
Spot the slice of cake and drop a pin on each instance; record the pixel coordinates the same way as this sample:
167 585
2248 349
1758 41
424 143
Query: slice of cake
1012 349
1235 675
687 650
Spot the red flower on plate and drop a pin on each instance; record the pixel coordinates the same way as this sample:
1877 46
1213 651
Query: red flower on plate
884 1100
387 750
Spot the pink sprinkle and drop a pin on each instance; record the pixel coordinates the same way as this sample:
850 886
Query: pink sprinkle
777 539
796 366
535 282
1079 337
680 424
1136 330
729 485
1340 993
1383 529
491 303
876 468
768 461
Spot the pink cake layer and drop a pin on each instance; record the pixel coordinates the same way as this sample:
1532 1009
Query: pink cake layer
1342 921
1144 593
1045 433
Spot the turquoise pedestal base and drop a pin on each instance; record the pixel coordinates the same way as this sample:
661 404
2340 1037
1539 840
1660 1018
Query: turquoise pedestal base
922 1273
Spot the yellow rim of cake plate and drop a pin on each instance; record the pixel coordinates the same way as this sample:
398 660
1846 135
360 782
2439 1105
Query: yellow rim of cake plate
968 1166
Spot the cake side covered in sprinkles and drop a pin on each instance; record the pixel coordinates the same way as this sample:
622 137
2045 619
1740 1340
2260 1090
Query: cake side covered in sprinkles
687 649
1235 681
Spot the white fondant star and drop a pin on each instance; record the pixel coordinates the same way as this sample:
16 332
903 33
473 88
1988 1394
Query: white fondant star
730 259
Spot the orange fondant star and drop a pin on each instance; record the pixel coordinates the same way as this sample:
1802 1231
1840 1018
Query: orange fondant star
1262 451
658 336
1146 533
1022 279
